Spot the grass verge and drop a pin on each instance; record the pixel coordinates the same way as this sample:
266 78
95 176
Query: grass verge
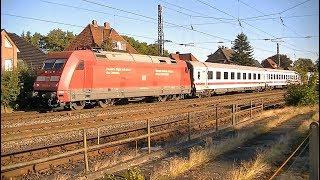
262 163
199 156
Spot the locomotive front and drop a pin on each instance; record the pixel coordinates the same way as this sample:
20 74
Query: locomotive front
46 85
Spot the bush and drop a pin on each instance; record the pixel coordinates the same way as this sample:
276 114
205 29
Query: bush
133 174
27 78
10 88
302 95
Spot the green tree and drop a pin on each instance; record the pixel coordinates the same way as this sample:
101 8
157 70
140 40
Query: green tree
243 52
37 40
144 48
303 66
285 61
107 45
10 88
27 36
57 40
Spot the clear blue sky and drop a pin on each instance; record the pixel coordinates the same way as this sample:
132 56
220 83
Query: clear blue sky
302 20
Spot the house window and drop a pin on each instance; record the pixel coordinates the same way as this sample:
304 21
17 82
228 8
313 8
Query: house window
232 75
218 75
249 76
7 43
244 76
210 75
254 76
225 75
198 74
8 64
238 75
259 76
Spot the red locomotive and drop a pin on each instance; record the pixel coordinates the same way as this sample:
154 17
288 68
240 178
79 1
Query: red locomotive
75 78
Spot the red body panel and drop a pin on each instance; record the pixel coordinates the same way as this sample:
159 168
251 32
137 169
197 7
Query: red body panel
110 74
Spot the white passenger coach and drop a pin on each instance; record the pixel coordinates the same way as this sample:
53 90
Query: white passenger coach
209 78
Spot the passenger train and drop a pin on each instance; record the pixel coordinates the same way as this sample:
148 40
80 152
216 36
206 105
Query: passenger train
72 79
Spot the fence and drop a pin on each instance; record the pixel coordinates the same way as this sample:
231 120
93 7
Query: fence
213 118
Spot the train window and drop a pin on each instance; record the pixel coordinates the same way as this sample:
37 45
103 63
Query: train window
232 75
244 75
254 76
58 65
173 62
210 75
259 76
249 76
80 65
225 75
48 64
198 74
218 75
238 75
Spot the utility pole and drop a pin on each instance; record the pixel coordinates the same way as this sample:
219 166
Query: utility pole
160 31
278 54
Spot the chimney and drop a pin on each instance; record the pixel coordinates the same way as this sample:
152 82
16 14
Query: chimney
106 25
94 23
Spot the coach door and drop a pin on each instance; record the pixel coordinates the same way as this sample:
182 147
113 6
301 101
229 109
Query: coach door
87 79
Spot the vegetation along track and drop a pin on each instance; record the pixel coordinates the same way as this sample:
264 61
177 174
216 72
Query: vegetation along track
39 118
39 149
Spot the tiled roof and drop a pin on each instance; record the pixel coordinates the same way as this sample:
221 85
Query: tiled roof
33 56
227 52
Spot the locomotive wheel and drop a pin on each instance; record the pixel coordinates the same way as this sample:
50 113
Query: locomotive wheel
162 98
78 105
105 102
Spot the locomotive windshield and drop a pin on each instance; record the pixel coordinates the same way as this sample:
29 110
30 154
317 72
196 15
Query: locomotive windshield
53 64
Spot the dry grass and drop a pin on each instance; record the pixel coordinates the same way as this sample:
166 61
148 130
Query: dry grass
198 156
262 163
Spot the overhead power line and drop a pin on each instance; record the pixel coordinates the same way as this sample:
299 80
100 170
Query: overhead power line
299 4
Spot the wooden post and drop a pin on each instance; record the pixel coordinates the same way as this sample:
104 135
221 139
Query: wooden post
85 150
98 135
189 127
251 109
314 151
149 137
233 114
262 104
217 119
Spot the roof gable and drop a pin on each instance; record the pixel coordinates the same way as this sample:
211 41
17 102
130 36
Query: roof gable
33 56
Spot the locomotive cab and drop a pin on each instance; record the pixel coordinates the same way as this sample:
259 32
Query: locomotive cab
46 84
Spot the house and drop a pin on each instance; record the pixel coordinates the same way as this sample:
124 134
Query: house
31 55
222 55
94 36
185 57
9 50
269 63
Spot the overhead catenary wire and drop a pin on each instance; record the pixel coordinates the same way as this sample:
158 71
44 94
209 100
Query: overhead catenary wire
79 26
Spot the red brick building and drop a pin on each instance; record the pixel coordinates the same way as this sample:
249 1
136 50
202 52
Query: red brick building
185 57
93 36
9 52
222 55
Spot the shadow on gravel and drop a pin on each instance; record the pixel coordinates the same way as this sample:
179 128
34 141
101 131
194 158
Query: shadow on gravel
250 148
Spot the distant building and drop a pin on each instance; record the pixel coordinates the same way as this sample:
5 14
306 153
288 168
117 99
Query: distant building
269 63
222 55
93 36
9 50
185 57
32 56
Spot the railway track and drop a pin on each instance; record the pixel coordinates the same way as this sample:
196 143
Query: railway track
56 132
39 118
167 120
